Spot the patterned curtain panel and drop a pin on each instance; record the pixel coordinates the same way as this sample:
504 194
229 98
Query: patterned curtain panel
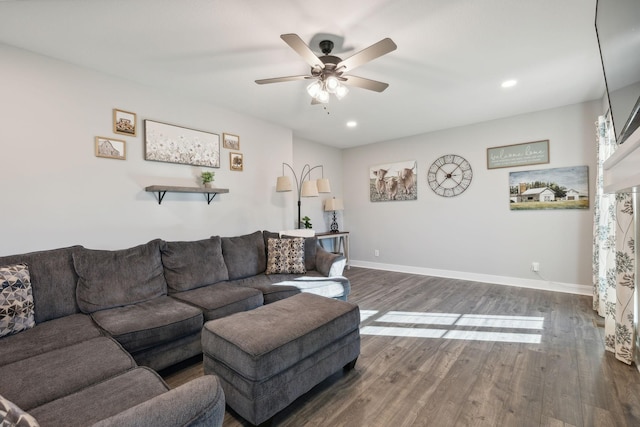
613 256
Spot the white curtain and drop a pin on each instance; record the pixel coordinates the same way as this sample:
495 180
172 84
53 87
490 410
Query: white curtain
613 256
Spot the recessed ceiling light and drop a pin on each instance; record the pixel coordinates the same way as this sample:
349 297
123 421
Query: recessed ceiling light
509 83
352 124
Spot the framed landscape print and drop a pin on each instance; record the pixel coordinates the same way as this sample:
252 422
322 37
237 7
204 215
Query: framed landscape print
177 144
124 122
557 188
110 148
231 141
236 162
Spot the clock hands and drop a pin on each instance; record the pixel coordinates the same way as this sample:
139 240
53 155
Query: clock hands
450 175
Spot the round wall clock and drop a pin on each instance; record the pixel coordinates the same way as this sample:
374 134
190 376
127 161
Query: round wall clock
449 175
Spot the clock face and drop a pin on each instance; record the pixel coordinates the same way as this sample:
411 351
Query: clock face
449 175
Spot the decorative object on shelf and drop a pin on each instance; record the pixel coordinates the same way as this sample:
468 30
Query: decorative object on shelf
207 178
230 141
176 144
124 122
209 193
307 222
236 162
309 188
528 153
111 148
334 205
450 175
556 188
393 181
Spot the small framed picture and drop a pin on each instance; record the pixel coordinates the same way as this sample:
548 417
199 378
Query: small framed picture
236 162
232 142
124 122
111 148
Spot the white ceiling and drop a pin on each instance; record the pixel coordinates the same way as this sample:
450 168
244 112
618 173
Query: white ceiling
451 59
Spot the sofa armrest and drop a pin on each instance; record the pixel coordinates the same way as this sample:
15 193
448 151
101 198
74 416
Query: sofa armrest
199 402
329 264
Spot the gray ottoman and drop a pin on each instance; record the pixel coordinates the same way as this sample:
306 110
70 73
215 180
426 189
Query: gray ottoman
269 356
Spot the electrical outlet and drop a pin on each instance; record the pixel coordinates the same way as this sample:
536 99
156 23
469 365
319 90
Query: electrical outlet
535 266
376 252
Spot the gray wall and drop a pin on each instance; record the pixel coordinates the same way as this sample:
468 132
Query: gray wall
56 192
475 235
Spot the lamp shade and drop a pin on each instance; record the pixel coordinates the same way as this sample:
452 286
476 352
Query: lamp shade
309 189
333 205
283 184
324 186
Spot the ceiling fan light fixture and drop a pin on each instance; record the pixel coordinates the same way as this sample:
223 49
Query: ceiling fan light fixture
314 89
322 97
341 91
332 84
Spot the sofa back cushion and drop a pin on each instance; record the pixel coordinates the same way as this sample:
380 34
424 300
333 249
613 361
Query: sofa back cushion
244 255
53 281
108 279
190 265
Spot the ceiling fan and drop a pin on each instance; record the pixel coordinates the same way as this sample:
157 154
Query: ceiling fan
328 71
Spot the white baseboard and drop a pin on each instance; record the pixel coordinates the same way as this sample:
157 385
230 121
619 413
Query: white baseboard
569 288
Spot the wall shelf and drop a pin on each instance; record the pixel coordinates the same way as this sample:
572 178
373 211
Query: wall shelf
209 193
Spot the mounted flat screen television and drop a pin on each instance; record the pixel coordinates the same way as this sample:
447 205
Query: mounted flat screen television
618 31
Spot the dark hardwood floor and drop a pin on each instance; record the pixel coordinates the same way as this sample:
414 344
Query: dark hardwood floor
443 352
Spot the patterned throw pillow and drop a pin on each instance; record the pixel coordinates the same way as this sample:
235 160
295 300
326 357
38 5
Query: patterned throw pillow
16 300
285 256
11 415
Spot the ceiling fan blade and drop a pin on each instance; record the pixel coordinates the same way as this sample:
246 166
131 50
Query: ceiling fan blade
281 79
366 83
374 51
295 42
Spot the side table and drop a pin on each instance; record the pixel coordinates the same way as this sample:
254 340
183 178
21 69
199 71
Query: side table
340 241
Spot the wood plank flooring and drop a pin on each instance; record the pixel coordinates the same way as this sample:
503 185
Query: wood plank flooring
477 374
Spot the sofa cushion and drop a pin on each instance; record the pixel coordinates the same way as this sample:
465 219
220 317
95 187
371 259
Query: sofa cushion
102 400
12 415
110 279
270 293
63 371
47 336
190 265
221 299
16 300
285 256
200 402
53 281
244 255
150 323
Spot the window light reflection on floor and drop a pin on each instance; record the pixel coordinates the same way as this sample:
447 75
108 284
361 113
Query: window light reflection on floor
365 314
454 321
419 318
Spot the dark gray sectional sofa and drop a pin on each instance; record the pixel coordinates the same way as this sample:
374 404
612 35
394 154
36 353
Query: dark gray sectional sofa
106 321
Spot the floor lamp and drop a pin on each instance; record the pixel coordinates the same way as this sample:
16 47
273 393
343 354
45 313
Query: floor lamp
308 188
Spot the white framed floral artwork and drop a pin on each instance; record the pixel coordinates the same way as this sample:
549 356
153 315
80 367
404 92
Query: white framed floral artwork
177 144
